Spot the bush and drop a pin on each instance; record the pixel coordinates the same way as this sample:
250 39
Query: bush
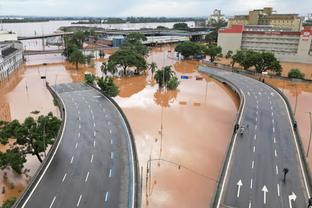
89 78
296 73
108 86
8 203
173 83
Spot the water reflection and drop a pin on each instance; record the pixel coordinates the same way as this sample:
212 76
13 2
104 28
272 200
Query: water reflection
165 98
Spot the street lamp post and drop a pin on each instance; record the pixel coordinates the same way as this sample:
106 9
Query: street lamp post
310 115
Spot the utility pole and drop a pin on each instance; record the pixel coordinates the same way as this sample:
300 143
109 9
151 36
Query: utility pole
310 115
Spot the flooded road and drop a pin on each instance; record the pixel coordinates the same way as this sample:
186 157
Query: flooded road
184 133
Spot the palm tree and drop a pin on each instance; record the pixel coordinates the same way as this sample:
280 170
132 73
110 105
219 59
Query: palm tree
153 68
164 75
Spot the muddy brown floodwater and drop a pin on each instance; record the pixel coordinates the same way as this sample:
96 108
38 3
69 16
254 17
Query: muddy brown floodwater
185 132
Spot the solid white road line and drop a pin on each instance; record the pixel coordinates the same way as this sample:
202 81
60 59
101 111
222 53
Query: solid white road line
251 184
79 200
106 197
276 170
252 164
278 190
53 200
110 173
91 158
87 176
64 177
72 159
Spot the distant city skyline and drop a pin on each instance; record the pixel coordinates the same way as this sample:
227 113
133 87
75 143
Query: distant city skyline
150 8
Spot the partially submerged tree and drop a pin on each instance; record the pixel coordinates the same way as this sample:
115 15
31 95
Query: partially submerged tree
30 137
213 51
188 49
108 86
76 57
296 73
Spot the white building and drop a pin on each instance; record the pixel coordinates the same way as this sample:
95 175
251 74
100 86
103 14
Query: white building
11 57
286 45
216 17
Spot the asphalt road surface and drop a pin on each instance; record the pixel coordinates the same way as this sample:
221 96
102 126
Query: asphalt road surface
254 174
93 164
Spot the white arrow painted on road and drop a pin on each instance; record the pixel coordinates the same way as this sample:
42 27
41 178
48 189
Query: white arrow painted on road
265 190
292 197
239 184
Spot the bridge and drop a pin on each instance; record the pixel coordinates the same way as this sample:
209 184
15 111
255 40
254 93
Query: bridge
94 163
263 146
44 36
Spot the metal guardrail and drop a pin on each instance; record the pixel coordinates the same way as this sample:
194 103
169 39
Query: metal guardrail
35 179
137 191
221 177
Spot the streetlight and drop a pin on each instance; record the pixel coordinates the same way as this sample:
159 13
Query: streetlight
310 115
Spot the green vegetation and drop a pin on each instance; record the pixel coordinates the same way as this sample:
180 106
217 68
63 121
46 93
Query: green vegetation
8 203
173 83
188 49
296 73
73 46
131 54
229 54
262 61
153 67
89 79
213 51
108 86
109 67
165 76
180 26
76 57
30 137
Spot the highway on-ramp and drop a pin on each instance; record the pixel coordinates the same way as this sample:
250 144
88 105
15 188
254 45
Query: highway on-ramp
253 175
93 164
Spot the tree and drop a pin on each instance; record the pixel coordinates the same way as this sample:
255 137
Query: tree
127 58
173 83
133 42
213 51
276 67
76 57
13 158
188 49
237 58
163 75
153 68
78 38
108 86
229 54
31 137
263 61
212 37
9 203
180 26
296 74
